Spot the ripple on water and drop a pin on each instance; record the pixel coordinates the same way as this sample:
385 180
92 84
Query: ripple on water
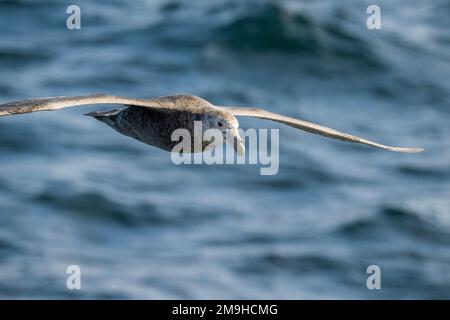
421 171
94 205
395 221
296 263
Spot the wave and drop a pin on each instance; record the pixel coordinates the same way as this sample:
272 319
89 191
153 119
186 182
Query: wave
272 28
307 262
21 57
425 172
397 221
96 206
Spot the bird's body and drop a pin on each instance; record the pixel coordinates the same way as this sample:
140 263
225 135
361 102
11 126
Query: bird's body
153 121
154 126
151 126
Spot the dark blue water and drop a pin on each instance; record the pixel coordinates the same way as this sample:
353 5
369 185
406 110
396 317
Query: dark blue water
73 191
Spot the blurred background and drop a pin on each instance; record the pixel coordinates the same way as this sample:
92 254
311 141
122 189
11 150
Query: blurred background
73 191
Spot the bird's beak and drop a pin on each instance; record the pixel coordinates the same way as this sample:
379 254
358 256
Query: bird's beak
233 138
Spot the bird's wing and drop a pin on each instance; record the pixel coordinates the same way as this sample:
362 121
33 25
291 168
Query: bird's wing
55 103
311 127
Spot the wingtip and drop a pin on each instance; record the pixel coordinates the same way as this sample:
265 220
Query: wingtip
415 150
407 150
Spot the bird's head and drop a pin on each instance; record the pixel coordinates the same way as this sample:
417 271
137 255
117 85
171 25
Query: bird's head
228 125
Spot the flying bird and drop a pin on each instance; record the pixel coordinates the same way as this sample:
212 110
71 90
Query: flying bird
152 121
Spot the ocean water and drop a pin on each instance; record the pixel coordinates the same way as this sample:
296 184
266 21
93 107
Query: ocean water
75 192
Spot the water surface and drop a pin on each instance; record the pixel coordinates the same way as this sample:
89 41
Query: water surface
73 191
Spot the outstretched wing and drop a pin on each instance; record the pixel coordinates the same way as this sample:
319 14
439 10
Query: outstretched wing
55 103
311 127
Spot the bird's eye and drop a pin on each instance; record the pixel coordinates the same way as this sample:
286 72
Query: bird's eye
219 124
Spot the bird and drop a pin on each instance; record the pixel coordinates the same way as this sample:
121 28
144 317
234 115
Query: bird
152 121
